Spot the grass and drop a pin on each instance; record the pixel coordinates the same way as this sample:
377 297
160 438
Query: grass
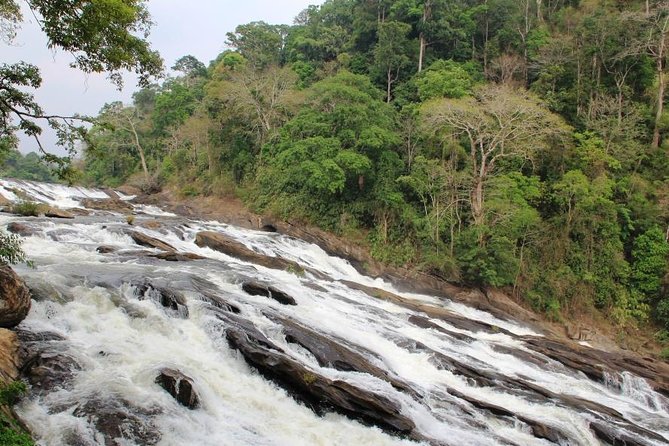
26 208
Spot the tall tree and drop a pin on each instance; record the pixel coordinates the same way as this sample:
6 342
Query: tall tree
389 53
498 124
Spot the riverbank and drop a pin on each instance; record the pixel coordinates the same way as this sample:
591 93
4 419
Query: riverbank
583 325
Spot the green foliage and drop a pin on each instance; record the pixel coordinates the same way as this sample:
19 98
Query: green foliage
650 255
26 167
11 393
26 208
103 36
497 143
445 79
10 249
11 433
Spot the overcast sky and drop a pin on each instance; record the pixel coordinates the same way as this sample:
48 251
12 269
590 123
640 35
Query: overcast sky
195 27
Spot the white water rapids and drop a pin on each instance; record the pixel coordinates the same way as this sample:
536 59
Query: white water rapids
120 343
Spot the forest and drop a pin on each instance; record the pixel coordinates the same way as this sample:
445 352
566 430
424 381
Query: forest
520 144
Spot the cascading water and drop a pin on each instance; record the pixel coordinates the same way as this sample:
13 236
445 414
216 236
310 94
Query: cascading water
105 325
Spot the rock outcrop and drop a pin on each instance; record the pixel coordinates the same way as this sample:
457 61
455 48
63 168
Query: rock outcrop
9 356
110 205
261 289
14 298
226 245
150 242
57 213
179 386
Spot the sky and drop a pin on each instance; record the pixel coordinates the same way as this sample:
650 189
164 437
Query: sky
195 27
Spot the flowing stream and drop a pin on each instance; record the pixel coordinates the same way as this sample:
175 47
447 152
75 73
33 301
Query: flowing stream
459 383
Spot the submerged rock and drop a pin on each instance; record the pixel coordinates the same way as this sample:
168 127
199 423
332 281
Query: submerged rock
173 256
22 229
14 298
261 289
170 300
106 249
179 386
119 422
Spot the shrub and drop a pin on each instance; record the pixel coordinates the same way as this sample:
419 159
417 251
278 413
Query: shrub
26 208
10 249
11 393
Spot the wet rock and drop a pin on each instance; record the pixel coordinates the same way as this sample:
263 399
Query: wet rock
226 245
174 256
260 289
334 353
44 291
150 242
432 311
106 205
22 229
207 292
179 386
57 213
171 300
14 298
106 249
119 422
60 234
318 392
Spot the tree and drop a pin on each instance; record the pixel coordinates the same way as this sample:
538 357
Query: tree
261 44
498 124
103 36
122 123
389 52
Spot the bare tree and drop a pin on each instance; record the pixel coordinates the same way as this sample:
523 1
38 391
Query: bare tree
497 123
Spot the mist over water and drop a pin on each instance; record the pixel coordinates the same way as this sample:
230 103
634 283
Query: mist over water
121 340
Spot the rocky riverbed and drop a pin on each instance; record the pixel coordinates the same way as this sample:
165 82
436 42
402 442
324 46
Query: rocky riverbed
176 330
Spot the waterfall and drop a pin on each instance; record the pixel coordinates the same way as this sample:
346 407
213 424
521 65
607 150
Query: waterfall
104 324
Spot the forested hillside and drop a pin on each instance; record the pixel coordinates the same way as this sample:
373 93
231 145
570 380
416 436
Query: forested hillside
511 143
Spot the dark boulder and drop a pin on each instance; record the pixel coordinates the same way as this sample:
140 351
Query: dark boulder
174 302
119 422
14 298
150 242
179 386
22 229
260 289
318 392
106 249
173 256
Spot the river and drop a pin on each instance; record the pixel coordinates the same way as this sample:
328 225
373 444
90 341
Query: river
103 313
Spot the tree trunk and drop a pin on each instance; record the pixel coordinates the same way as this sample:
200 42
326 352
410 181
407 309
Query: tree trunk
390 82
139 149
421 52
660 90
477 201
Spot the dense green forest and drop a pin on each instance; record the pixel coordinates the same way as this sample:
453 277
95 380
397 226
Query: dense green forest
510 143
